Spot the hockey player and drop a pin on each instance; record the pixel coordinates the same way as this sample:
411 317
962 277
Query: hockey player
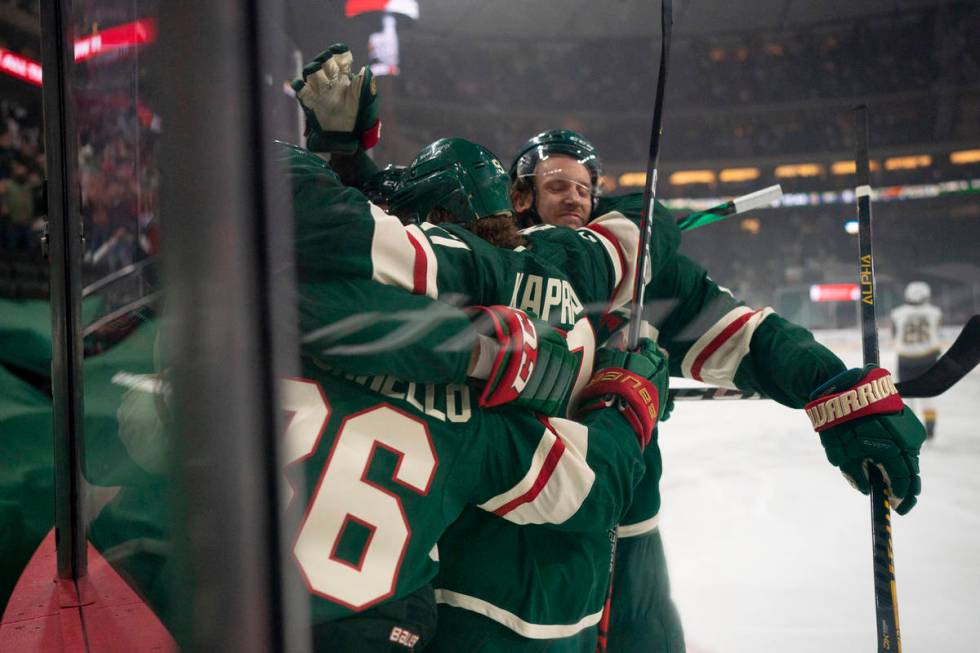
555 179
539 285
395 462
709 335
915 325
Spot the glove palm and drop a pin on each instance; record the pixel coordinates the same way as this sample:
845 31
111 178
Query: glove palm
341 108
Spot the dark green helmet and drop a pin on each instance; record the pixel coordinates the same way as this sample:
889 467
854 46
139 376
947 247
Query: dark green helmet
382 184
463 178
556 141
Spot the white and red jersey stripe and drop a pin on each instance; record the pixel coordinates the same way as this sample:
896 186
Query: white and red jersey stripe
557 481
620 237
715 356
398 256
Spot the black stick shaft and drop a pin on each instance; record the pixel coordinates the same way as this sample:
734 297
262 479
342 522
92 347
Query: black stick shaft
650 192
886 603
642 256
869 333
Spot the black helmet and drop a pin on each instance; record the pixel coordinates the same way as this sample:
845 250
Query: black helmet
382 184
556 141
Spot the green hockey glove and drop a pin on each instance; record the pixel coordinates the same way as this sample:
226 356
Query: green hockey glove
529 361
862 420
633 382
341 109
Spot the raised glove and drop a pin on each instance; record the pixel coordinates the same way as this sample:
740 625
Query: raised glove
341 109
862 419
530 364
633 382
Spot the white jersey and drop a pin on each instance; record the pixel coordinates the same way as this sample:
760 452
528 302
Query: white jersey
916 329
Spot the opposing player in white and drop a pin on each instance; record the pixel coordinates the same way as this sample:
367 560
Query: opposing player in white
916 328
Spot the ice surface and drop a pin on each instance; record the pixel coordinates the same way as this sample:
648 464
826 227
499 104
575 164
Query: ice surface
769 548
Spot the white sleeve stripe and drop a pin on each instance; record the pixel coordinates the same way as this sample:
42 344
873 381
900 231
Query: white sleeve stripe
640 527
524 485
716 355
512 621
431 262
615 254
626 236
392 253
555 486
708 336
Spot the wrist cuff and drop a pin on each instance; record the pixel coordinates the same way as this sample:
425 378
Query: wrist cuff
487 354
873 394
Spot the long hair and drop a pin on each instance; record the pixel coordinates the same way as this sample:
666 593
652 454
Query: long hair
522 187
498 230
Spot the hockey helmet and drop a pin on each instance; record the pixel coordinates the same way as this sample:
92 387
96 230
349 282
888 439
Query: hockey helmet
454 174
380 187
556 141
917 292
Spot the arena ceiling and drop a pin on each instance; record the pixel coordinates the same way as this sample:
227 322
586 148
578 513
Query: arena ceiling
589 18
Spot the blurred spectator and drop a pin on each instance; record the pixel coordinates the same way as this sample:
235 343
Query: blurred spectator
792 88
17 208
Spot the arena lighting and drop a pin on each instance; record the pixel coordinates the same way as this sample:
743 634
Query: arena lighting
115 38
908 162
799 170
408 8
901 193
633 179
607 183
834 292
121 36
738 174
20 67
683 177
963 157
751 225
849 168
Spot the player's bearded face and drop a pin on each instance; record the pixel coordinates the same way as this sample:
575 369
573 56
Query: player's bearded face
563 190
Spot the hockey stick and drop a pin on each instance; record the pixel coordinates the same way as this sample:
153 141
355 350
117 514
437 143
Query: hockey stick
650 192
753 200
958 361
642 257
886 599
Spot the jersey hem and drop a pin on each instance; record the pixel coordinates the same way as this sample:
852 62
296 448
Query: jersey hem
512 621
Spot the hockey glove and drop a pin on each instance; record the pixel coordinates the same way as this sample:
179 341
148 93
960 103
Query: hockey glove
862 420
530 364
341 109
633 382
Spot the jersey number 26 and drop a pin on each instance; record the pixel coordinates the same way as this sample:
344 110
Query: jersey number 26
344 496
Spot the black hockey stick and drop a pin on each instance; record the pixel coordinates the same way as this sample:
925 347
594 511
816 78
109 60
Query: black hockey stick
753 200
642 256
952 366
886 599
650 192
958 361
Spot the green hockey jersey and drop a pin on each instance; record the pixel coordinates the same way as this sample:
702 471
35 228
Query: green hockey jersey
580 280
571 278
390 464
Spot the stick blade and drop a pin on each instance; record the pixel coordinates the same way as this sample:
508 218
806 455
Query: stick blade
952 366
